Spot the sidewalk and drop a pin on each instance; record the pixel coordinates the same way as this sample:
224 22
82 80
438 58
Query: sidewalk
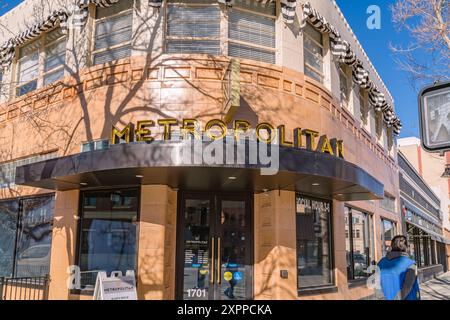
436 289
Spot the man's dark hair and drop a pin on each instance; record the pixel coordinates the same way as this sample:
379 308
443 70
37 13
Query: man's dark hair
399 243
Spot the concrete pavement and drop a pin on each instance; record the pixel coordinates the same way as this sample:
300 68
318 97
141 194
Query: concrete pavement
436 289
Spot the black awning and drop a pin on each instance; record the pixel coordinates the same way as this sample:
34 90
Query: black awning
140 163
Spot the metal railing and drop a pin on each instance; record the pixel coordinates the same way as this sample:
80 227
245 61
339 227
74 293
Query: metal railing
26 288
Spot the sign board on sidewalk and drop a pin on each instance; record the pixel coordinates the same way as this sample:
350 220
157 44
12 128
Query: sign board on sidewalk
115 287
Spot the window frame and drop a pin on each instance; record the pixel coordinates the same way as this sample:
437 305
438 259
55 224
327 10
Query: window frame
249 44
343 72
332 283
364 109
384 250
46 46
351 234
96 21
42 47
19 224
168 38
19 60
306 65
79 235
94 144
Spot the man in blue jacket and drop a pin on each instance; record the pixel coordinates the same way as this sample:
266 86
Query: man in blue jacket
398 273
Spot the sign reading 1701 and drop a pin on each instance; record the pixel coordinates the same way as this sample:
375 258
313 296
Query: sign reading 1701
434 108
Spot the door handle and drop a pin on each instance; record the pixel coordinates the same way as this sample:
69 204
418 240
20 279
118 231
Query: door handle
219 263
213 271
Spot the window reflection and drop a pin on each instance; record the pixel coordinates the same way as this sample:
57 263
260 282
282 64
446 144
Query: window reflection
313 242
359 243
108 235
8 228
35 237
387 234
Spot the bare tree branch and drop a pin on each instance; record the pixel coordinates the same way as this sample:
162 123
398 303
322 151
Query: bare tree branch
427 57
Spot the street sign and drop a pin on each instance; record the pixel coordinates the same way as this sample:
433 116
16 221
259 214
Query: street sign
116 287
434 115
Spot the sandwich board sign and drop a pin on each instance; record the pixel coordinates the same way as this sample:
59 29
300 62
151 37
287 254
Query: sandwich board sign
115 287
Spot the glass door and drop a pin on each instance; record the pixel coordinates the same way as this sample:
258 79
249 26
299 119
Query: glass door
214 256
234 246
197 247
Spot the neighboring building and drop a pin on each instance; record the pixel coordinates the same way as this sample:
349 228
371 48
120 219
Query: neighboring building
96 101
431 167
422 218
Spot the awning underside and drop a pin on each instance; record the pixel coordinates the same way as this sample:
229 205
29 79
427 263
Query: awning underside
139 163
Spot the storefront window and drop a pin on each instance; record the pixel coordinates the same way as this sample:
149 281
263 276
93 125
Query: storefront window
411 242
358 243
9 212
314 262
34 237
108 233
388 232
433 252
193 27
422 249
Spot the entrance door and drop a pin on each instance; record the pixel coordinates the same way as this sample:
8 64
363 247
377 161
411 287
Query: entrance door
214 241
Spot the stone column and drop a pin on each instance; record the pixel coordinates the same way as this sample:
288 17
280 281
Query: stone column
157 243
275 245
339 252
63 242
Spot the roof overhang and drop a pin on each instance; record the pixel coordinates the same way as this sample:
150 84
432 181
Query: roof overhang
300 170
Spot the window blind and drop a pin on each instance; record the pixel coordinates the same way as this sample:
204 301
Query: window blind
109 35
186 23
113 31
28 68
251 30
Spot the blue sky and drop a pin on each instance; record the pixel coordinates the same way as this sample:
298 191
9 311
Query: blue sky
376 43
6 5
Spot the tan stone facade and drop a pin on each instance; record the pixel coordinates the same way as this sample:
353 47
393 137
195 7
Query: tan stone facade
84 107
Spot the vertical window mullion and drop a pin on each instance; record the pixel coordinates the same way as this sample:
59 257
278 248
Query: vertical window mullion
352 258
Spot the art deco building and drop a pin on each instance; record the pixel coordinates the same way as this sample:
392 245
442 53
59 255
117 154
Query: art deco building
100 98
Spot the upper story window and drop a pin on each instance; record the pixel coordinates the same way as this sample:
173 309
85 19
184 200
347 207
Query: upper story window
251 31
390 141
113 32
388 203
313 53
363 108
51 48
55 56
193 27
378 125
344 86
28 68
